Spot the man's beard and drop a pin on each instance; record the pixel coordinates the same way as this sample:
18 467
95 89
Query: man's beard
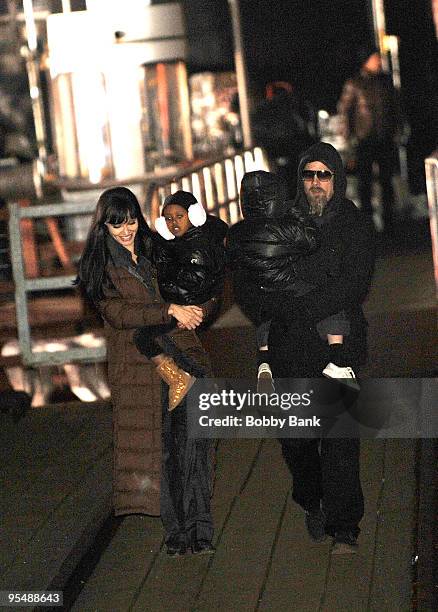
317 202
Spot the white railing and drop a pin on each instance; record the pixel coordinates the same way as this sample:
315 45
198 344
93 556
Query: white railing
215 185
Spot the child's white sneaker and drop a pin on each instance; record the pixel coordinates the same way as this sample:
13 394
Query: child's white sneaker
265 382
345 375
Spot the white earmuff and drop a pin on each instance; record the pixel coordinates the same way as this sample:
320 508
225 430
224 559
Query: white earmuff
197 214
162 229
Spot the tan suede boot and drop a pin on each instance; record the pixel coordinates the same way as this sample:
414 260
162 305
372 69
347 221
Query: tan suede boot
179 381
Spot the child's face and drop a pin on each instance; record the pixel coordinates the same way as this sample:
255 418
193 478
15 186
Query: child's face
177 219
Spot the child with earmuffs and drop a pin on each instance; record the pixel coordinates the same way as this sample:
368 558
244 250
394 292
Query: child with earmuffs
189 255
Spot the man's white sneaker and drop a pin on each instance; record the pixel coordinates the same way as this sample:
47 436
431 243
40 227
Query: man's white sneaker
265 383
345 375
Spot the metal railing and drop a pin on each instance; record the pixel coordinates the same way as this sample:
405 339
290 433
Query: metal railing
431 166
25 286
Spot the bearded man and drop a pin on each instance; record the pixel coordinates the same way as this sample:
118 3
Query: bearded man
326 472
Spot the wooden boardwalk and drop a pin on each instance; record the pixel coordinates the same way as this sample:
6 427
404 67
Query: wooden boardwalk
264 559
55 481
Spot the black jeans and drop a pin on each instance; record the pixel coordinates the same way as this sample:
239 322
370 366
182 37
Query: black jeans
323 470
186 479
383 153
327 471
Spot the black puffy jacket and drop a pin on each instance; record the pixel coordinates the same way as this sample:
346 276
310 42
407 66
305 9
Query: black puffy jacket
191 268
264 248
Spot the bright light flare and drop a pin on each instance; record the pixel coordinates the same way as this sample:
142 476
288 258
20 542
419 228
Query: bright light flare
30 25
90 106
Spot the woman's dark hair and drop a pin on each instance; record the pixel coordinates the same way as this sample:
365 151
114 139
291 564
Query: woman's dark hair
114 206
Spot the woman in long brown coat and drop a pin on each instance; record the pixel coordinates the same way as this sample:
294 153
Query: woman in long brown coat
157 470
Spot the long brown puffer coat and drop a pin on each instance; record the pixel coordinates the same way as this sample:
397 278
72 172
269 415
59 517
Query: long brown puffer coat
135 388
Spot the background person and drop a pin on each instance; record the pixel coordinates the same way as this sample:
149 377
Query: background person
157 470
371 119
284 124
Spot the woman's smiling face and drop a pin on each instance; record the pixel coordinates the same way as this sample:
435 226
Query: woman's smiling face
177 219
124 233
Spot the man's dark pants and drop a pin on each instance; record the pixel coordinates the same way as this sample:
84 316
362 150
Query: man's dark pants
382 152
324 470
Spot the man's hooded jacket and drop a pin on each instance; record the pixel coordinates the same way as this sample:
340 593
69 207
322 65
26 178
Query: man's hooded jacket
341 269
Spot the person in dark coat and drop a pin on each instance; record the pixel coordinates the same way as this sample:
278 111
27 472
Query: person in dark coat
326 473
371 119
262 251
265 252
157 469
284 124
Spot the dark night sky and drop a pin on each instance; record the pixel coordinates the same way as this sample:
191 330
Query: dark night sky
307 43
313 43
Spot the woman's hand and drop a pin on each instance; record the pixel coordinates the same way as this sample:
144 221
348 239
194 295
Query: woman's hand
188 317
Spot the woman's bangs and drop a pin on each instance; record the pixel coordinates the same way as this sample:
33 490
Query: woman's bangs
119 212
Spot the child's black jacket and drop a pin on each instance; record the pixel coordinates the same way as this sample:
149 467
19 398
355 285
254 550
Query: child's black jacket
191 267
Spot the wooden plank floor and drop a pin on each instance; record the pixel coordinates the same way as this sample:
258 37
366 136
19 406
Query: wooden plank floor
55 473
264 559
55 482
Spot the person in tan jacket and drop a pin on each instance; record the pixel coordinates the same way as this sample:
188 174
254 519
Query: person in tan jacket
371 118
157 469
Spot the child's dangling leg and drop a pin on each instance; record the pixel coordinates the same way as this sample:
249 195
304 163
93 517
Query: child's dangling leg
265 382
178 380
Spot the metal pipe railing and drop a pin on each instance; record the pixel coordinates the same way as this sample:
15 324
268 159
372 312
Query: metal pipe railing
24 286
431 167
